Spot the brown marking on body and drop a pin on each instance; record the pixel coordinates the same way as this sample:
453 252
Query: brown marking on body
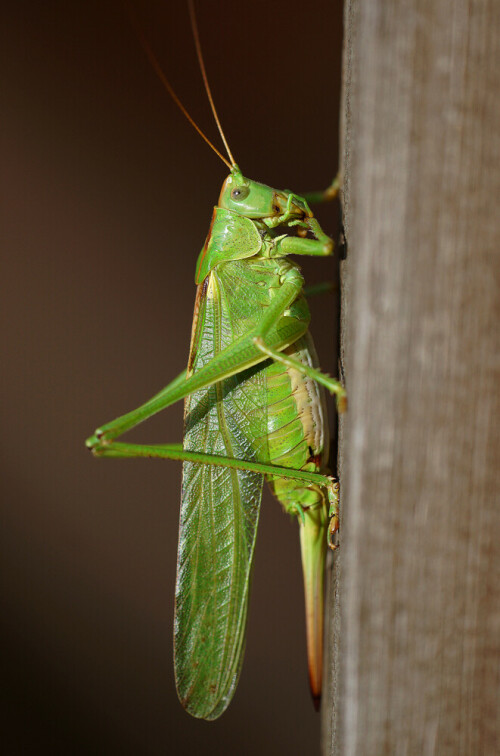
205 246
315 459
307 395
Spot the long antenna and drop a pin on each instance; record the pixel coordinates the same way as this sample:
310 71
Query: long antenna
154 62
205 78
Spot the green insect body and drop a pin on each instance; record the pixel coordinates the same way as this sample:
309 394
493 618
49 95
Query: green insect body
254 407
272 414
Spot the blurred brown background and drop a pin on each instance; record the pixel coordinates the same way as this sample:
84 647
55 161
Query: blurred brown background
106 199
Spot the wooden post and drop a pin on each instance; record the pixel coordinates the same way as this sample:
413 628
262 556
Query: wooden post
418 663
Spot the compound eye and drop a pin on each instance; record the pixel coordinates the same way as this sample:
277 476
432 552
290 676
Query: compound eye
239 193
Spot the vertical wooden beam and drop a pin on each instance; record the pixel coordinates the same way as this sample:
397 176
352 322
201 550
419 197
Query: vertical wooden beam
418 669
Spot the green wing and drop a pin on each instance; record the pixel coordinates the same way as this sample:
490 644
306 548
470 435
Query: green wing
220 507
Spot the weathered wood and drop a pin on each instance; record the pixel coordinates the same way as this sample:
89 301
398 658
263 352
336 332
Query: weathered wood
420 473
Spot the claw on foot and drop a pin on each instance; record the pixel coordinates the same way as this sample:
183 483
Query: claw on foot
333 525
341 403
95 441
333 529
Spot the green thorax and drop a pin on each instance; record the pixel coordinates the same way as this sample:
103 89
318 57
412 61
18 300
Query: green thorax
240 221
231 237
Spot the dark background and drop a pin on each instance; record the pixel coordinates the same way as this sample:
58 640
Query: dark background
107 194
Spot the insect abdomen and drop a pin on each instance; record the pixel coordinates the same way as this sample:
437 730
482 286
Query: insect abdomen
298 438
297 420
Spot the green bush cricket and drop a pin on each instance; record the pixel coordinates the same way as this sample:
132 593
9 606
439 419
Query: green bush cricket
254 408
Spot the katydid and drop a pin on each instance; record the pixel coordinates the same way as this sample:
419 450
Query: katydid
254 409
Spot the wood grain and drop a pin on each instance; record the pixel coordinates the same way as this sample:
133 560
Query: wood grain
417 613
